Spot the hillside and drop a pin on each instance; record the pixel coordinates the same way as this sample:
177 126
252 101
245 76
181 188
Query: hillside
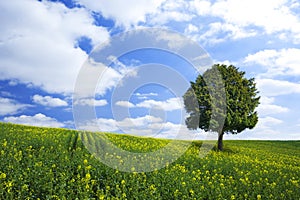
49 163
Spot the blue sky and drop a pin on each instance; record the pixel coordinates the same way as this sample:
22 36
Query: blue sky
44 44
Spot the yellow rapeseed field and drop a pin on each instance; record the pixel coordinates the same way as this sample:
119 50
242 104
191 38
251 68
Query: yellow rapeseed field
45 163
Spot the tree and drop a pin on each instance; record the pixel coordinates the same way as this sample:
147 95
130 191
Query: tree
227 110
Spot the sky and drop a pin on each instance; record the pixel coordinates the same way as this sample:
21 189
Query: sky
45 45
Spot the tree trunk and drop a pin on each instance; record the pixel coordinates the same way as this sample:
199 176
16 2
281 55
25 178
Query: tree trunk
220 141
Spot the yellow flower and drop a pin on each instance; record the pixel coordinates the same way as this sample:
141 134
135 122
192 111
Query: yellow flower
101 197
192 192
39 164
88 167
123 182
4 143
152 187
258 197
176 192
85 162
9 184
88 176
2 175
25 187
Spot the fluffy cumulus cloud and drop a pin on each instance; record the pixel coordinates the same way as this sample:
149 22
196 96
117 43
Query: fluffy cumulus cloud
126 104
167 105
272 87
272 16
145 95
125 13
10 106
268 107
39 39
165 17
90 102
264 130
234 19
36 120
97 78
277 62
48 101
115 76
241 13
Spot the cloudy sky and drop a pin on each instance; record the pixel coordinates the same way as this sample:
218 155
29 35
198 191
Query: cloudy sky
44 44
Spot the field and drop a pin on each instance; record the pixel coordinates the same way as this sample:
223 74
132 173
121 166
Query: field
44 163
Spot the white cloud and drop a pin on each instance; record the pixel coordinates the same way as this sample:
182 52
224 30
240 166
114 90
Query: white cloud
266 123
97 78
277 62
95 75
101 124
39 43
145 95
48 101
218 32
126 104
167 105
235 19
170 5
226 62
267 107
165 17
6 94
10 106
90 102
271 87
36 120
140 122
202 7
114 76
190 29
266 128
273 16
125 13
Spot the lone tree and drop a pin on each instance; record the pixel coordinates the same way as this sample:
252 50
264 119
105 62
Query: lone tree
231 113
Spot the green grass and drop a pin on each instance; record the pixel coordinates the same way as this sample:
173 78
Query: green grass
45 163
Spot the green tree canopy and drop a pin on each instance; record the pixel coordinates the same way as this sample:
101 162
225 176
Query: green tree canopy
207 105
